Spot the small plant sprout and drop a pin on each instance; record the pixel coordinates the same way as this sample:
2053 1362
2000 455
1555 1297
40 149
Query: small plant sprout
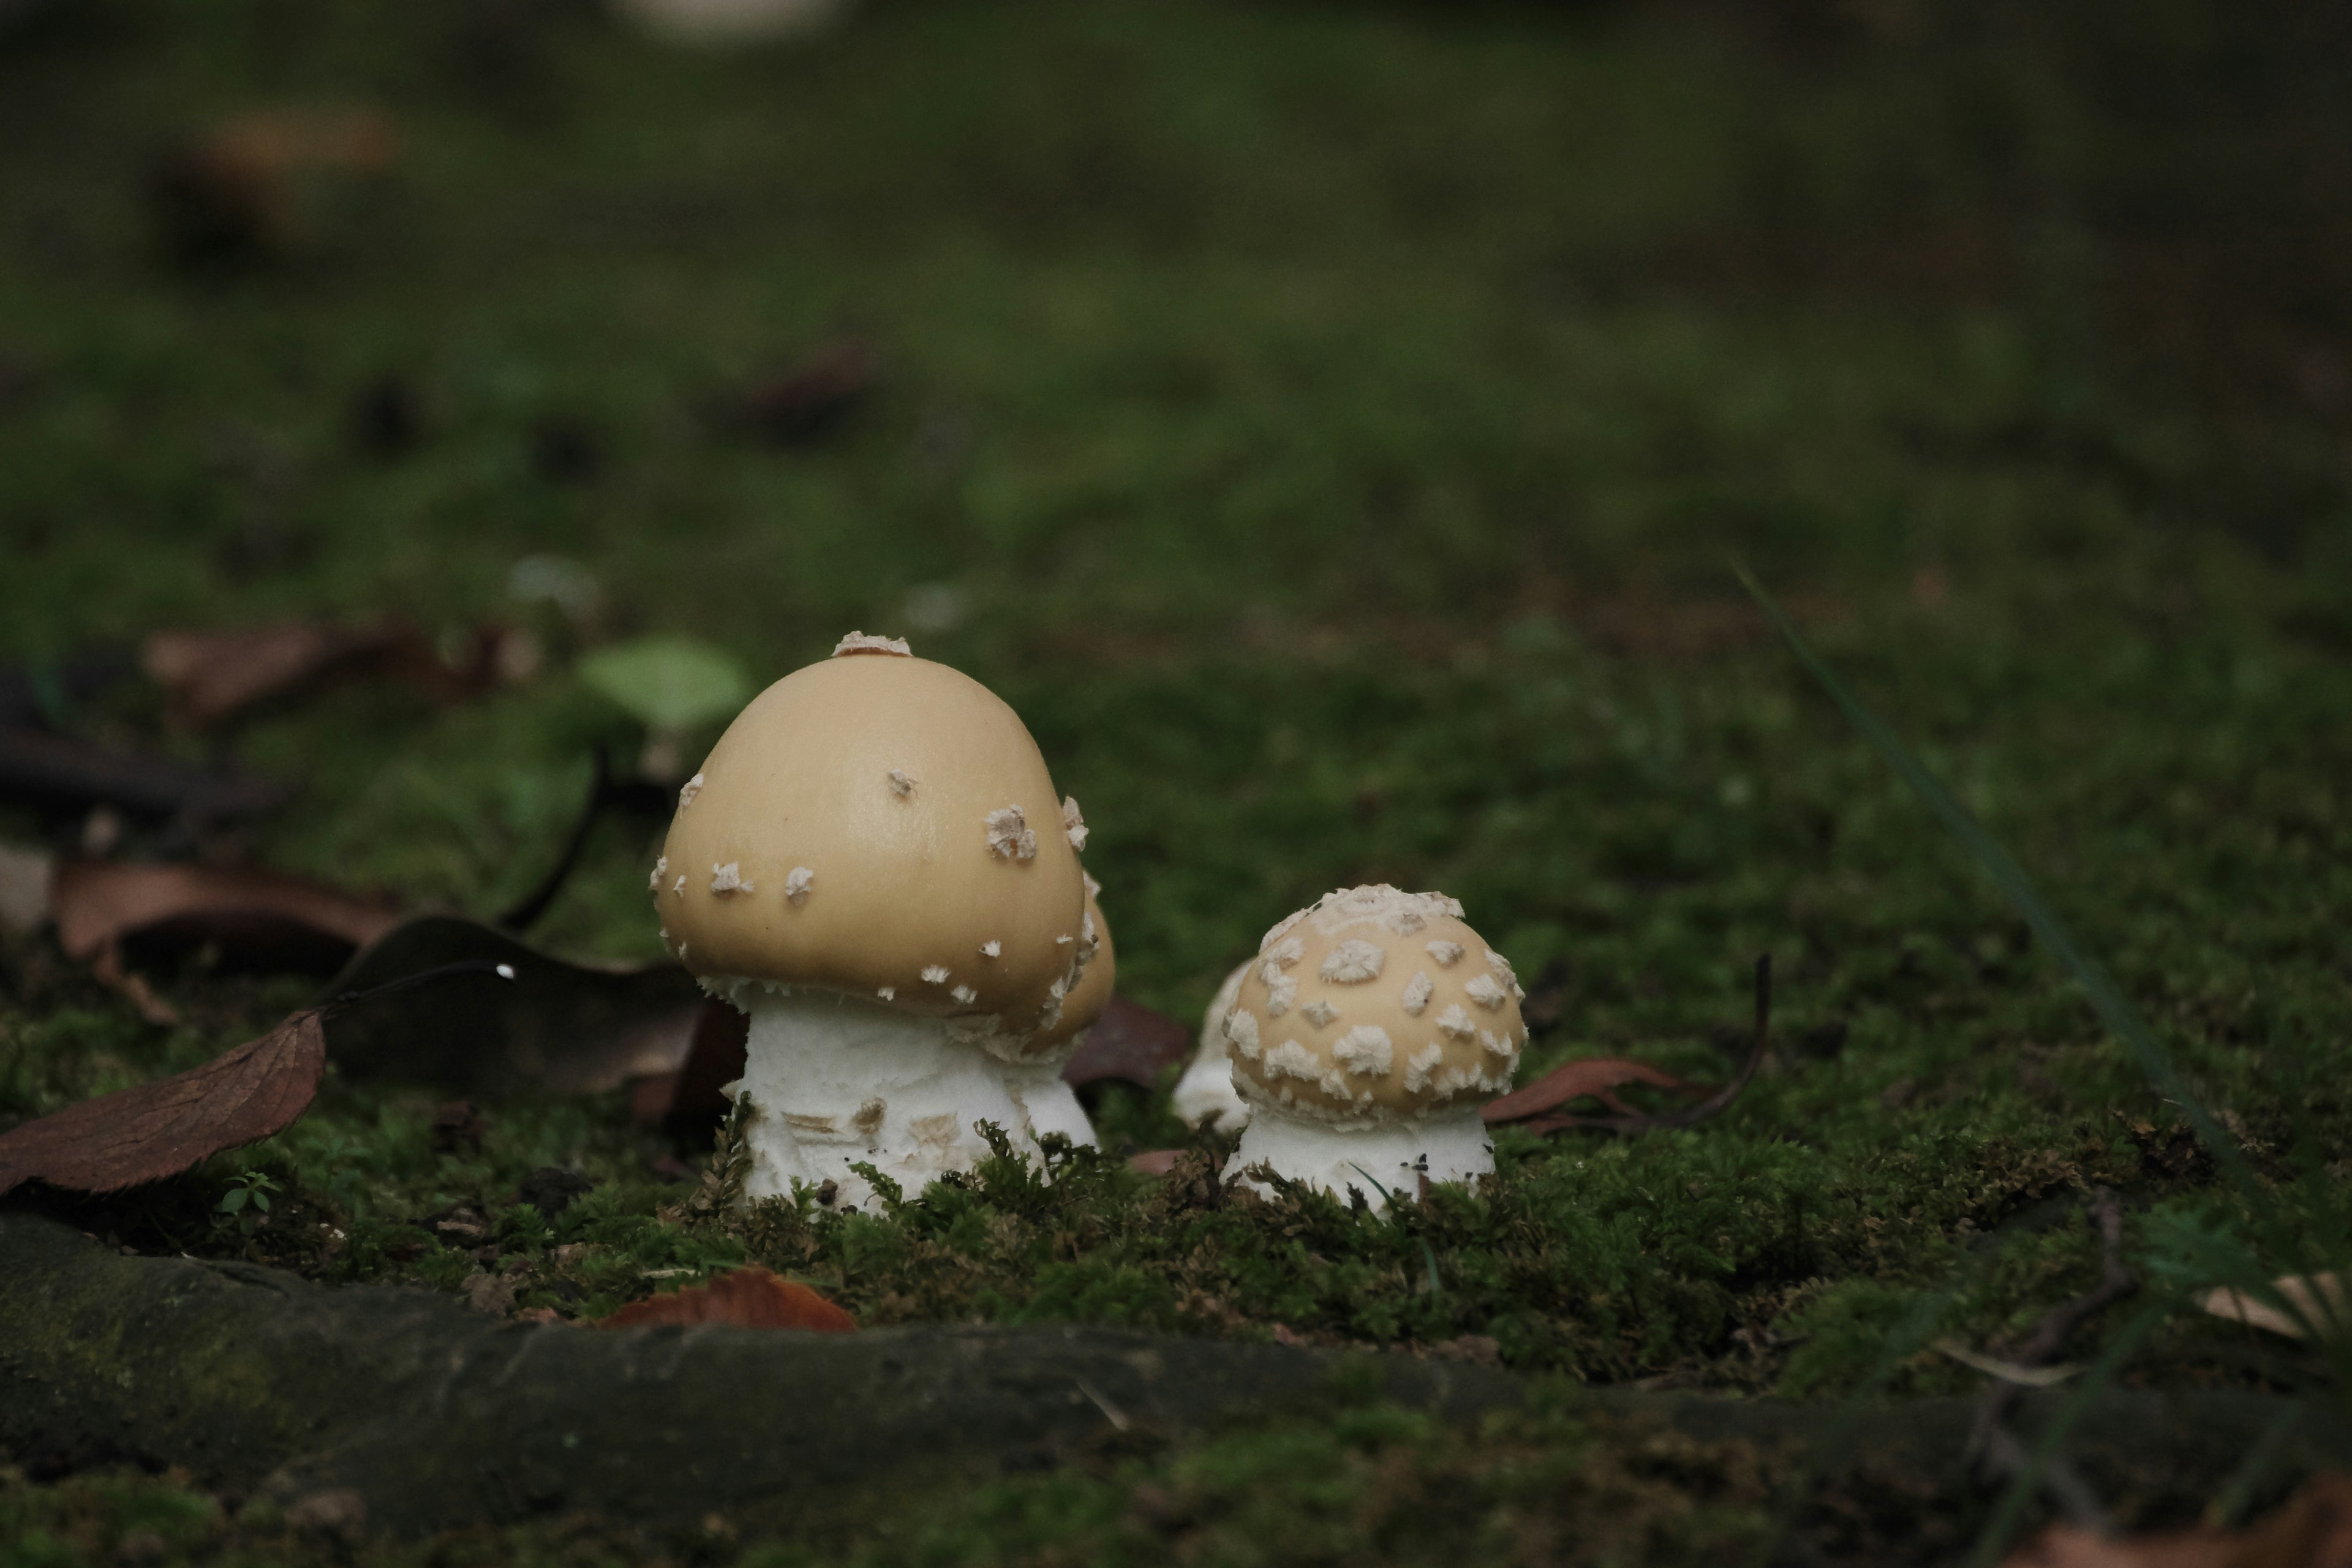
902 943
671 686
248 1191
1365 1064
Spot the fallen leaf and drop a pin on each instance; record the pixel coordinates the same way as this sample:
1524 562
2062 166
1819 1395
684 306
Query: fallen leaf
59 773
1596 1076
2009 1370
255 919
2313 1529
803 401
156 1130
1155 1161
1535 1106
273 180
207 677
567 1028
1128 1042
745 1297
2320 1297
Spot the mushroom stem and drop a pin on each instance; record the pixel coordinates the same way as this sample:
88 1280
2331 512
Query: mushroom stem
1050 1105
1450 1146
835 1081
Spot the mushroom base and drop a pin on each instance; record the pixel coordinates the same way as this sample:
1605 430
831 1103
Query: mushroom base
835 1080
1451 1146
1051 1105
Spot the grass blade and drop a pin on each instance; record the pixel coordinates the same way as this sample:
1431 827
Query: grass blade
2120 1018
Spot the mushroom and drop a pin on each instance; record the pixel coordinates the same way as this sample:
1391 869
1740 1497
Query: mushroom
1365 1036
1205 1096
1034 1077
890 957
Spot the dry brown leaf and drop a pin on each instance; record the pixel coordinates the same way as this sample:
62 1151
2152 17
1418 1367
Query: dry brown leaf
161 1129
2312 1530
256 918
803 401
1155 1161
1596 1076
207 677
2322 1297
1130 1043
745 1297
1537 1107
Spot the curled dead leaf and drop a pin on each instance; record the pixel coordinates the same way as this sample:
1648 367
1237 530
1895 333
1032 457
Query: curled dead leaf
151 1131
1537 1107
1598 1077
2323 1299
743 1298
61 773
2312 1530
255 918
207 677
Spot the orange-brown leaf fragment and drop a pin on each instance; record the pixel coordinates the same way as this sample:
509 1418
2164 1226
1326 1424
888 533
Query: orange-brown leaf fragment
1596 1076
156 1130
2312 1530
743 1298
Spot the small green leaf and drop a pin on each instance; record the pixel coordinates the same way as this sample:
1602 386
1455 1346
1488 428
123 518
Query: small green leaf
233 1200
668 683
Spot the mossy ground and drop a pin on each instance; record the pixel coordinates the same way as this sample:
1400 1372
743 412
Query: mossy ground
1328 426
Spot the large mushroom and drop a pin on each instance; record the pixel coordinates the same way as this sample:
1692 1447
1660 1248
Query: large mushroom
1371 1027
1033 1073
1205 1096
855 867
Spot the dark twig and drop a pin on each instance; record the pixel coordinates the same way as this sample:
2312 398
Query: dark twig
523 915
1998 1448
1640 1122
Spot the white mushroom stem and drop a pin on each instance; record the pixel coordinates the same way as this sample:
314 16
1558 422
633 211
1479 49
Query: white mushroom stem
835 1081
1050 1105
1451 1146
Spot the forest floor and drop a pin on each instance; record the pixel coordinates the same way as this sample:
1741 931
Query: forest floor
1331 427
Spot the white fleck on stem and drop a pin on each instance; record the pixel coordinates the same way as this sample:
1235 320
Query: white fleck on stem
1451 1146
835 1081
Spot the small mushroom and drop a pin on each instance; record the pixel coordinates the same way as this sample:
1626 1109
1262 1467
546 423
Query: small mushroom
881 1024
1362 1067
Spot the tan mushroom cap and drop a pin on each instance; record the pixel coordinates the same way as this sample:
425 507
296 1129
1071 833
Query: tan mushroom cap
1374 1006
882 826
1087 999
